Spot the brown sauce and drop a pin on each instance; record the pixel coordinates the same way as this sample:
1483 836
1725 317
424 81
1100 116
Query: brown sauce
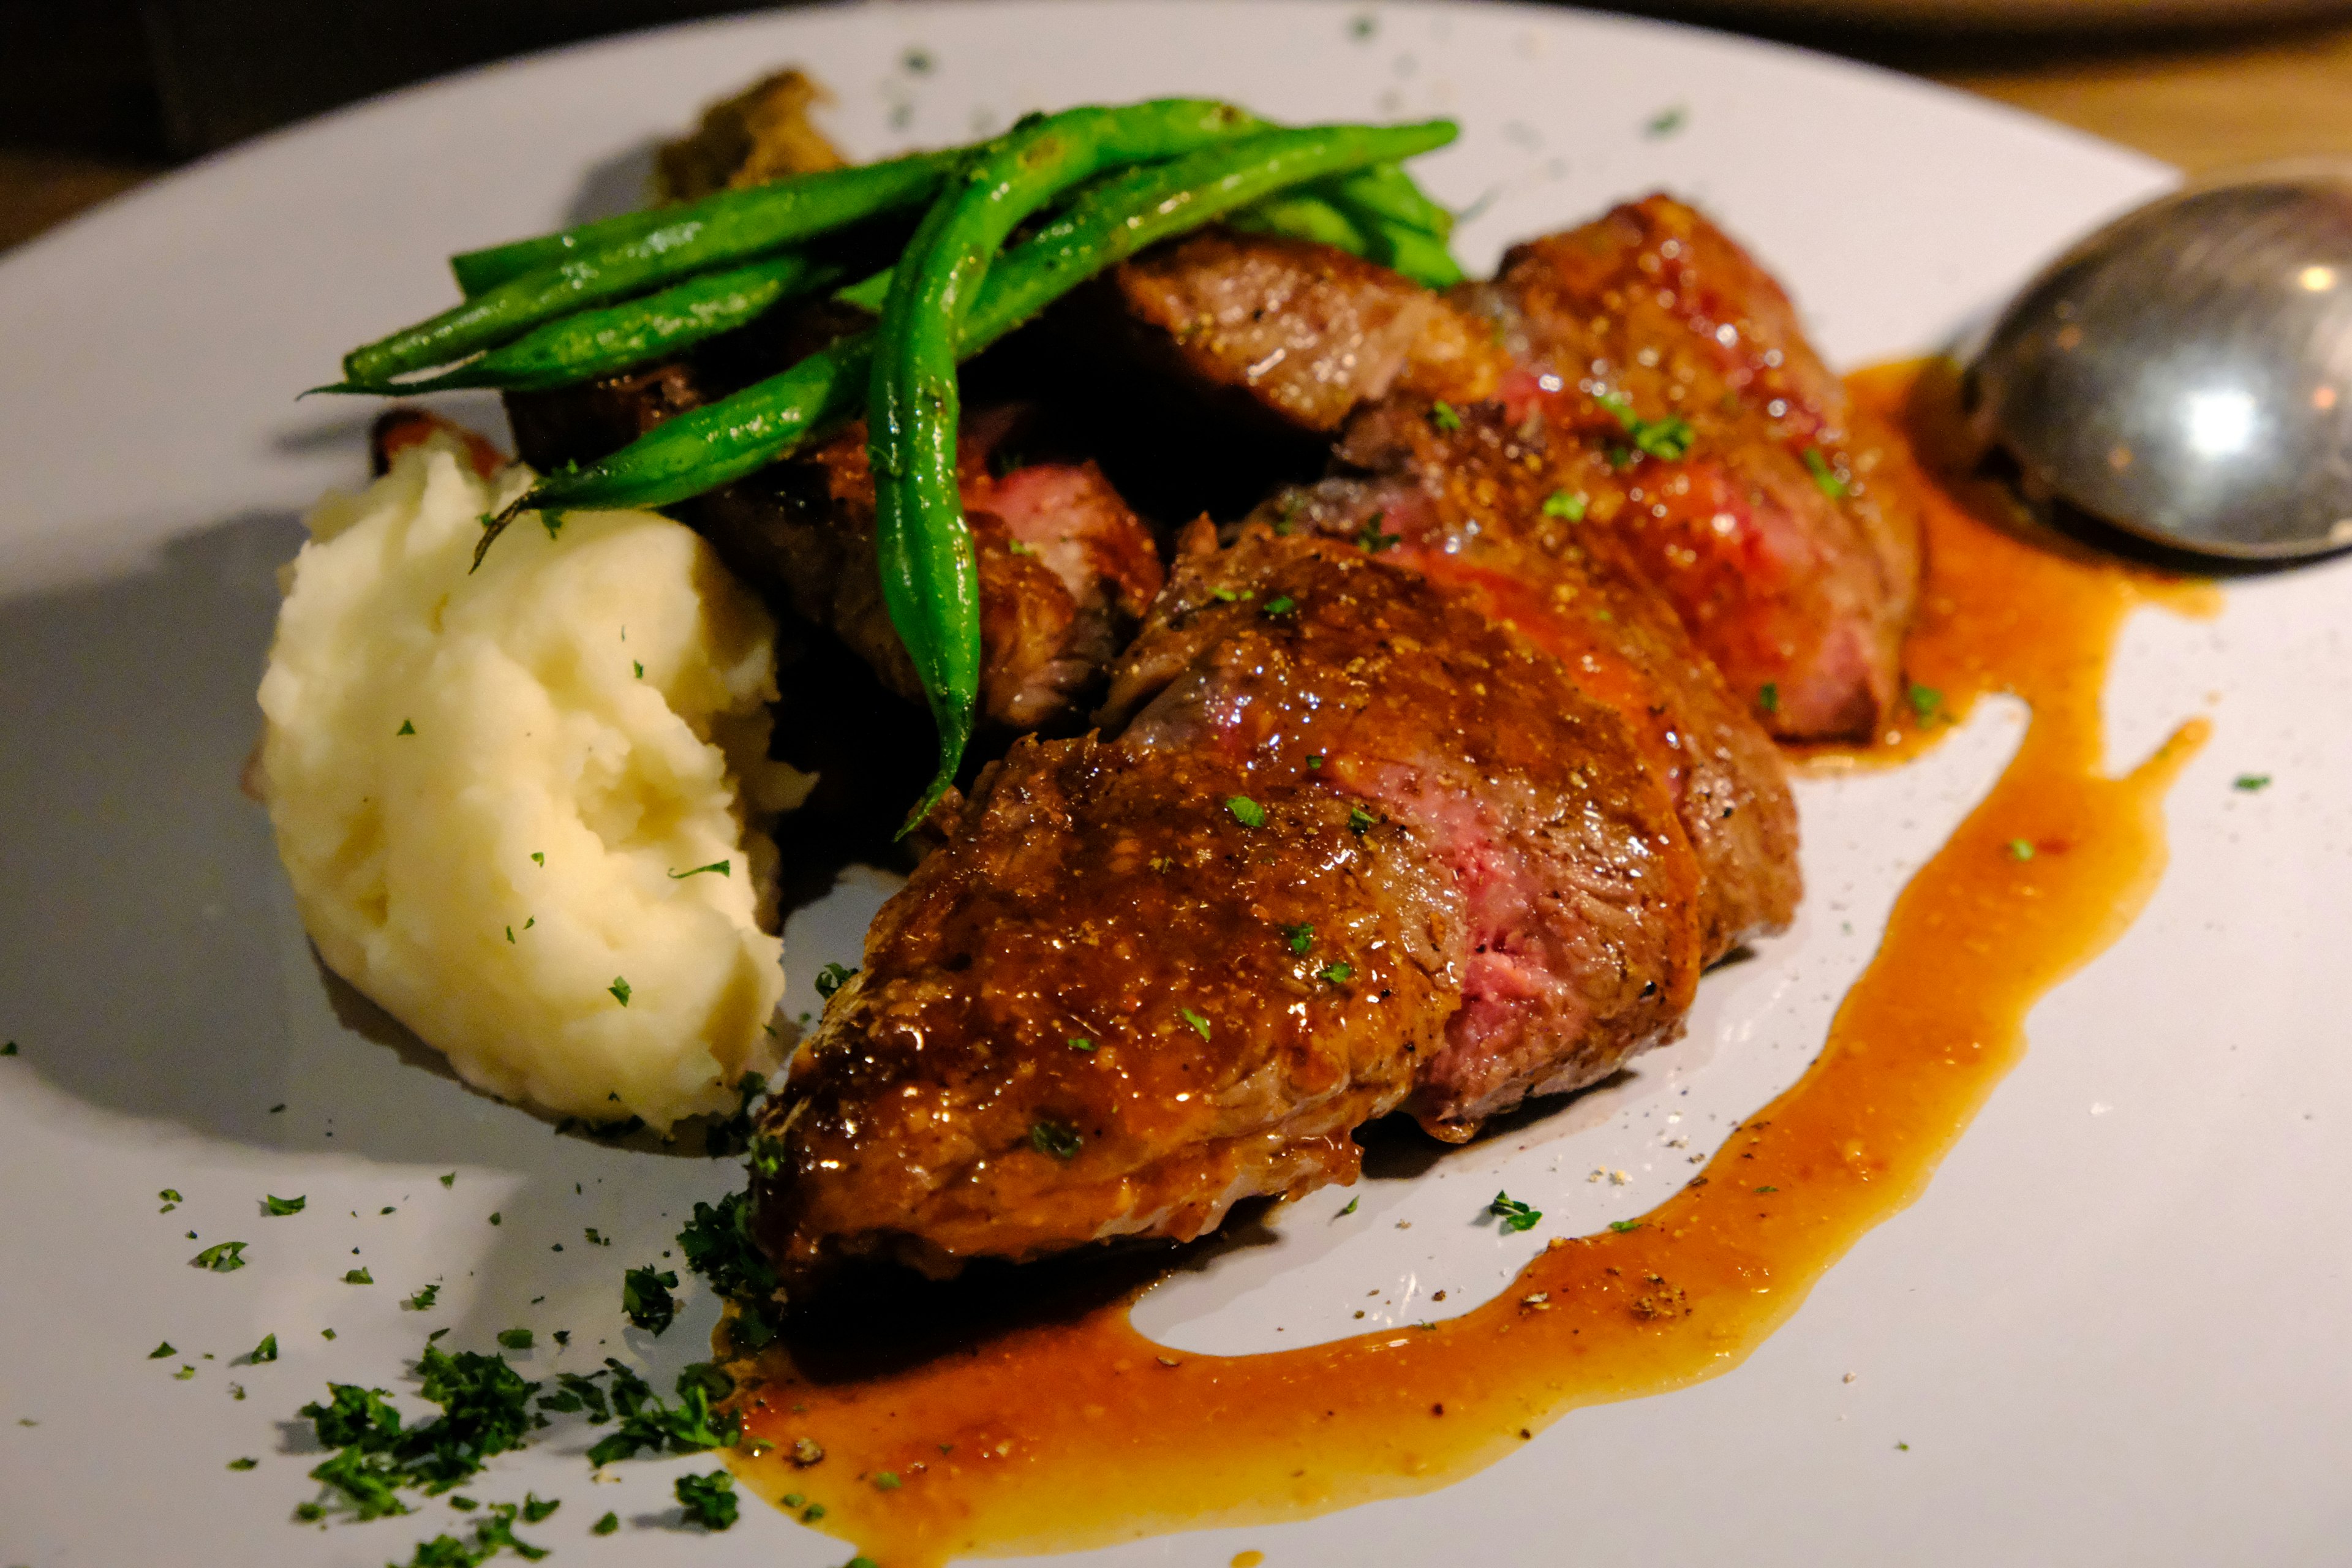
1070 1428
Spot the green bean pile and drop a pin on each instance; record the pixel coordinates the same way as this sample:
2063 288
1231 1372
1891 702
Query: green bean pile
1002 229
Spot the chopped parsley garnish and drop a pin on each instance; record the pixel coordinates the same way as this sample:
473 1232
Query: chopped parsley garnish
1823 475
1246 812
2251 783
606 1525
184 1373
1280 605
282 1205
645 1298
1442 415
1516 1216
620 990
2020 849
1621 1225
708 1501
1666 121
1768 698
221 1257
1360 821
533 1510
450 1179
717 1245
1057 1139
1316 761
8 1050
244 1464
832 978
160 1351
515 1339
645 1421
359 1277
1080 1043
266 1351
168 1194
1668 439
1566 504
1299 937
1926 702
1337 974
1372 540
719 866
1200 1025
1762 1191
485 1410
406 729
1344 1213
538 856
886 1481
422 1298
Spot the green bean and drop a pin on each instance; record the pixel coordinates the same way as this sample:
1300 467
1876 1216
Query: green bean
1299 215
723 441
1382 220
930 581
1385 190
577 348
480 271
733 226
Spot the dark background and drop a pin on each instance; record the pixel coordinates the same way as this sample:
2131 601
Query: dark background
96 95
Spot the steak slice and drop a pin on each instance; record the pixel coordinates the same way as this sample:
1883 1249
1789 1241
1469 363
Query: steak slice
1358 845
1296 331
1463 500
1067 570
1686 414
1793 571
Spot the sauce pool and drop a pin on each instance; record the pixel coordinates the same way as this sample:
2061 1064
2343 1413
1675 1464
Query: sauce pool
1063 1427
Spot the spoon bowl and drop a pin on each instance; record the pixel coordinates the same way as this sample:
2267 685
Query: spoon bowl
2185 373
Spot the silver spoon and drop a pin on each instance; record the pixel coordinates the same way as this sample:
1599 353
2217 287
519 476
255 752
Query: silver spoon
2185 373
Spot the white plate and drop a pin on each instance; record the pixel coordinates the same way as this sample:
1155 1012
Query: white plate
2110 1333
2027 16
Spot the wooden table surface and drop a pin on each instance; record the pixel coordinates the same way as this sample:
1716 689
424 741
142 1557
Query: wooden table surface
2201 102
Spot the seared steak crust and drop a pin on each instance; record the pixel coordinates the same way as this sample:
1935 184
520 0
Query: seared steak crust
1359 844
1755 516
1067 569
1463 500
1299 331
1793 571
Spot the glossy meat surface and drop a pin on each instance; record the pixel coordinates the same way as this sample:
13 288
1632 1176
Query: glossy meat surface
1305 333
1464 501
1684 410
1067 569
1793 570
1358 845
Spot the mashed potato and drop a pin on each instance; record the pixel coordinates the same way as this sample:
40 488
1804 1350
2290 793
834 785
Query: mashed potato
492 792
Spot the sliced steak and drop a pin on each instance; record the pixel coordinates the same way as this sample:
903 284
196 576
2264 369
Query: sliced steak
1464 501
1684 406
1067 569
1299 331
1358 845
1795 572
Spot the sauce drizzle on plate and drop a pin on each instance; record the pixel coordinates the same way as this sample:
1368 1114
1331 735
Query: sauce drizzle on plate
1065 1427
